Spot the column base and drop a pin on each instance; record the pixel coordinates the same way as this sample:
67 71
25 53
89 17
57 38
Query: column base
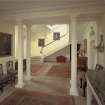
70 81
42 60
19 85
74 92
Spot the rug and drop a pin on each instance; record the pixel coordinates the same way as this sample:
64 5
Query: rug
54 86
24 97
61 70
35 68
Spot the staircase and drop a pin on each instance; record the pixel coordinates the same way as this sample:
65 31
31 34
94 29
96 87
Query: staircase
36 59
63 52
52 47
55 45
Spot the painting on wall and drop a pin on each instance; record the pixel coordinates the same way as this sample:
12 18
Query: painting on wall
56 36
41 42
5 44
85 46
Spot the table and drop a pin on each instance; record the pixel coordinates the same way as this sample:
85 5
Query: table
95 87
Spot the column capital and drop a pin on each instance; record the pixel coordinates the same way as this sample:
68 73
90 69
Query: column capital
73 19
19 21
28 25
74 16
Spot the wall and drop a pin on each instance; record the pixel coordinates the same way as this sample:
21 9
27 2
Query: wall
7 28
35 50
94 56
91 42
81 29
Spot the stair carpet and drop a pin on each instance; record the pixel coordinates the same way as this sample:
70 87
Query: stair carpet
36 59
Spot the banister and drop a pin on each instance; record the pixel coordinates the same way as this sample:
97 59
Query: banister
54 40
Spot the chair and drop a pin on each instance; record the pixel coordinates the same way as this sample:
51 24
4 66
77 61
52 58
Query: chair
11 72
82 66
61 59
4 79
82 63
99 67
83 82
1 79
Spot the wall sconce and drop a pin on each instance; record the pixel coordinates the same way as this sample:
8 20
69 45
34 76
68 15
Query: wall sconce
100 47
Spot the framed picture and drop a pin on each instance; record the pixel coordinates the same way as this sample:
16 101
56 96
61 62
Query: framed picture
85 46
56 36
41 42
5 44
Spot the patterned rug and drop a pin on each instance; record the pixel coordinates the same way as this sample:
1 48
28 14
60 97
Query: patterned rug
24 97
60 70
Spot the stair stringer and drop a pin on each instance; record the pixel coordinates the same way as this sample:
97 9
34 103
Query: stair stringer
56 50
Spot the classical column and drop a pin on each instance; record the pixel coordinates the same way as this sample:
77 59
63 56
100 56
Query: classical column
73 89
100 31
20 54
89 54
69 31
42 58
28 53
89 95
13 44
96 43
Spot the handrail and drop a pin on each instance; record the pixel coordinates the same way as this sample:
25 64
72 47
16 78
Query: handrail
54 40
51 43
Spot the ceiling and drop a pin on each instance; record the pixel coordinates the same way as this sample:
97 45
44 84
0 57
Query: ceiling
49 9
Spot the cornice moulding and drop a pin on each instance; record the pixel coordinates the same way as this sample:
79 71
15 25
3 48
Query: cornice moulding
42 14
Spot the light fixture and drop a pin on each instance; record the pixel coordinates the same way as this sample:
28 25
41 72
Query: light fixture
50 27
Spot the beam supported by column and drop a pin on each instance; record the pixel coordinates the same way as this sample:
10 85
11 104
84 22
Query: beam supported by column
20 54
73 89
28 56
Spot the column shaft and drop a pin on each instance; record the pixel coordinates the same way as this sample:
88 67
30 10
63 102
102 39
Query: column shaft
89 95
89 54
28 61
20 55
73 89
